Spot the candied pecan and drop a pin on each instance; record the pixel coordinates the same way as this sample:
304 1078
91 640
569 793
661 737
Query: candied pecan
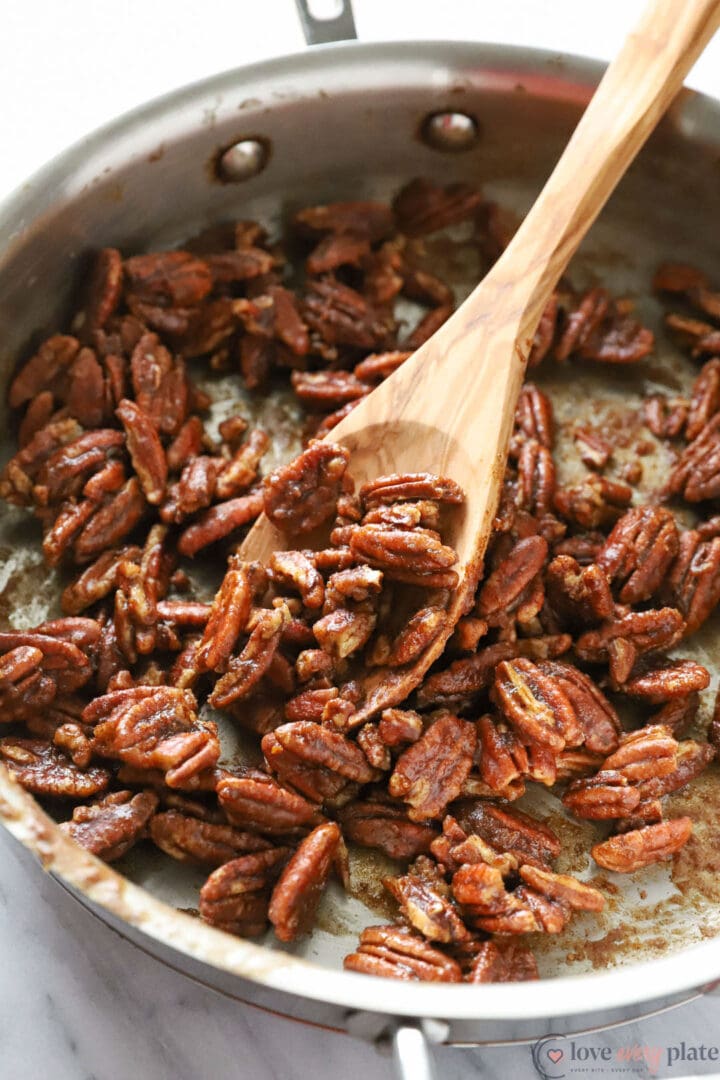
693 584
424 207
38 414
503 591
623 639
536 479
641 847
598 719
44 770
665 417
418 634
639 551
110 524
257 802
245 263
399 726
296 895
85 397
244 671
545 333
342 316
186 444
481 887
401 486
511 832
204 843
357 583
325 390
97 581
678 714
415 552
427 911
371 220
511 963
595 452
534 416
110 827
396 953
194 490
596 502
378 366
563 887
45 370
102 292
386 826
236 896
427 325
651 751
702 337
696 475
242 469
503 758
228 617
169 278
154 727
159 385
578 595
535 706
320 746
704 399
467 677
659 679
608 794
219 521
296 570
373 747
337 249
300 496
65 472
343 632
431 772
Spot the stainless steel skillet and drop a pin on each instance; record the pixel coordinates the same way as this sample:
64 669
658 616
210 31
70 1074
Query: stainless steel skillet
341 120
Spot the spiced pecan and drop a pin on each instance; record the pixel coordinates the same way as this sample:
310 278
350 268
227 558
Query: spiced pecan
536 479
300 496
341 316
296 895
154 727
504 590
44 770
608 794
371 220
423 207
693 584
639 551
638 848
623 639
578 595
204 843
426 910
245 671
509 831
400 552
598 719
386 826
417 635
430 773
664 416
595 503
257 802
159 385
397 487
696 475
535 706
228 617
534 416
220 521
236 896
396 953
658 680
110 827
325 390
495 964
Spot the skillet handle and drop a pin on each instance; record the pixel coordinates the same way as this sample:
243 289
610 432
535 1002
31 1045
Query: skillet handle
411 1053
319 31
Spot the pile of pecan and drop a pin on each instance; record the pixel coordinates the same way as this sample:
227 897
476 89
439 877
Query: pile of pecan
564 673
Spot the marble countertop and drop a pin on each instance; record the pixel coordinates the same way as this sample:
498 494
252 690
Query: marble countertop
77 1002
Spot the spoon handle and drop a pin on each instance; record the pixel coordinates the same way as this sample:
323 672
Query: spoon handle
635 91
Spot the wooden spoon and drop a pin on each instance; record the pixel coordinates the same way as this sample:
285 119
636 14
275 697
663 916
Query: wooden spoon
449 409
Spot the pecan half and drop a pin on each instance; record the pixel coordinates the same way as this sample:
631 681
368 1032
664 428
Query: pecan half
259 803
638 848
236 896
431 772
202 843
495 964
300 496
296 896
427 911
639 551
44 770
395 953
387 827
535 706
110 827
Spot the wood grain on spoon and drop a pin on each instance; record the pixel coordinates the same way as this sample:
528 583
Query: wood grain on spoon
449 409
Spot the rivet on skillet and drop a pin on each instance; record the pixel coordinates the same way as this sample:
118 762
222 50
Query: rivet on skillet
454 131
242 161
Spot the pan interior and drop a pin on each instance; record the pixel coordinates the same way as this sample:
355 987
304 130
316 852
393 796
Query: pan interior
360 141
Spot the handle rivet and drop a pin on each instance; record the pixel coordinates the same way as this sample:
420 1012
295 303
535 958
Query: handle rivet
452 131
242 160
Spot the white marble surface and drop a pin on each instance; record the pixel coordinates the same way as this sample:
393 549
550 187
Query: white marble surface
76 1001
